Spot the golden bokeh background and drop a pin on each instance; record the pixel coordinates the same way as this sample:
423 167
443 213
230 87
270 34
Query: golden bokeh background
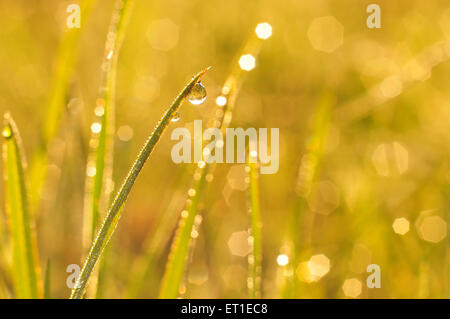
382 194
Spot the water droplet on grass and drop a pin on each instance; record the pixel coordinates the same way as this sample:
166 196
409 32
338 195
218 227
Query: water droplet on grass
110 54
247 62
198 94
263 30
96 127
221 100
7 133
176 117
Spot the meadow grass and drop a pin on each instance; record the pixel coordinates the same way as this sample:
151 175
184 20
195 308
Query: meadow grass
367 102
181 243
364 214
47 280
154 244
177 260
255 239
65 63
302 217
26 273
113 215
102 142
98 185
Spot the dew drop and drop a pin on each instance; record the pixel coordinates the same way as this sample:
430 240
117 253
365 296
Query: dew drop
201 164
263 30
247 62
198 94
7 133
176 117
91 171
191 192
221 100
110 54
96 127
194 234
99 110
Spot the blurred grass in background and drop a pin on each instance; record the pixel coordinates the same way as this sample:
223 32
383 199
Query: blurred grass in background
386 155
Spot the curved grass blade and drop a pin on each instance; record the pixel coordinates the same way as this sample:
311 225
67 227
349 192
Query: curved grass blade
65 63
176 263
98 185
21 225
313 160
373 98
113 214
309 171
103 141
255 258
154 246
180 247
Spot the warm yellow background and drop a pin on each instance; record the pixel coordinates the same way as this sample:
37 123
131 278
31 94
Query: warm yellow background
387 155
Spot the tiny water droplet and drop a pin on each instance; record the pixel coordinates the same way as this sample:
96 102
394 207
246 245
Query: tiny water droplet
198 94
221 100
99 110
110 54
7 133
176 117
96 127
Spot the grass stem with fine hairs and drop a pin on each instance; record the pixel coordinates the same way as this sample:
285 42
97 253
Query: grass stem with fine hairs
111 219
98 186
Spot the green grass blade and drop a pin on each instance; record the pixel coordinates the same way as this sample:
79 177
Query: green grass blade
176 263
5 267
66 59
21 225
305 187
104 266
309 170
101 156
113 214
65 63
372 98
97 194
154 245
255 258
47 281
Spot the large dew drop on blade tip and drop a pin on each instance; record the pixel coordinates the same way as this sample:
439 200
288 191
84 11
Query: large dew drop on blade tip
7 133
198 94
